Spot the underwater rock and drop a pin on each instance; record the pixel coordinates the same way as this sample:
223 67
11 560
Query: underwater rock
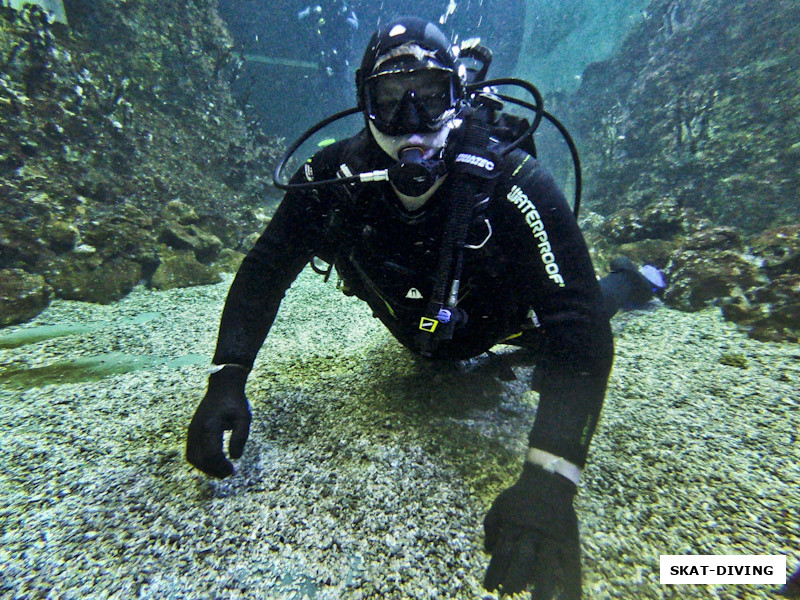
779 248
61 236
769 312
231 233
660 220
624 226
228 261
733 359
756 286
649 252
702 278
19 244
91 279
205 245
22 296
251 240
180 268
179 212
716 238
590 221
128 234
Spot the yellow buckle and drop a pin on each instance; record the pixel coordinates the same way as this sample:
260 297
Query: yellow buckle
428 324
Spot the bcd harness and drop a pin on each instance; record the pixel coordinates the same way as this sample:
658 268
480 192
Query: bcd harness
474 164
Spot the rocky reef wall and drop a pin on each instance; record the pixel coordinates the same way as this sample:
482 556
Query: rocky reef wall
123 155
689 139
700 105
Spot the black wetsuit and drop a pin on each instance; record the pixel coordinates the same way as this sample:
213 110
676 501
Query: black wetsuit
532 275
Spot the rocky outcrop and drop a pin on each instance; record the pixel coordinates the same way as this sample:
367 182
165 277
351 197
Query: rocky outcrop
660 220
708 267
690 154
121 144
92 278
771 311
755 280
180 230
757 285
180 268
22 296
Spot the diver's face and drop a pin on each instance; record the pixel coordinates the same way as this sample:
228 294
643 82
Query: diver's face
410 101
428 93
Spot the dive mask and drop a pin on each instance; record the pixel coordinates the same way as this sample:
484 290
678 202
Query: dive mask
405 99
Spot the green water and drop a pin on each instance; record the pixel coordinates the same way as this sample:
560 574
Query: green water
90 368
41 333
32 335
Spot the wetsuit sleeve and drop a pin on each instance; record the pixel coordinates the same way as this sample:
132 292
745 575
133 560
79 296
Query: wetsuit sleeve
287 244
558 281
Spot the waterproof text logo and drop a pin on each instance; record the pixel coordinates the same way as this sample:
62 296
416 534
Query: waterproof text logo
534 220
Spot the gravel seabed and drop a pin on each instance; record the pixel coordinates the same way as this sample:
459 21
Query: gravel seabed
368 472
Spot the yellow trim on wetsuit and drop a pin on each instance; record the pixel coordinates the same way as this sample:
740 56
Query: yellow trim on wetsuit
519 166
511 337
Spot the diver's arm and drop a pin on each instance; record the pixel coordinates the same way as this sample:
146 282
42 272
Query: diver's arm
265 274
253 300
532 525
558 277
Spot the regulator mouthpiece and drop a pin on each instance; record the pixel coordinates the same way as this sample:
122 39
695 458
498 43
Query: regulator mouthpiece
413 175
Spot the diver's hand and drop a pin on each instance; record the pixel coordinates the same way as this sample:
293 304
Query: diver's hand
223 408
532 535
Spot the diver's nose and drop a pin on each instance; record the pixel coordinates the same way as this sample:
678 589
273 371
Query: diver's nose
408 116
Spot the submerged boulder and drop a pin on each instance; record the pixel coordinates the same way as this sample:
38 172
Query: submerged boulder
708 268
770 312
206 246
19 245
779 248
756 284
714 239
649 252
127 234
697 280
91 279
229 260
61 236
22 296
179 212
181 231
180 268
660 220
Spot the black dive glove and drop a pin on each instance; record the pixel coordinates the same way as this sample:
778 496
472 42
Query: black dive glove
532 535
224 407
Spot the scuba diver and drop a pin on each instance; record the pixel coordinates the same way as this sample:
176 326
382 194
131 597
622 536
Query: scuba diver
332 25
458 240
